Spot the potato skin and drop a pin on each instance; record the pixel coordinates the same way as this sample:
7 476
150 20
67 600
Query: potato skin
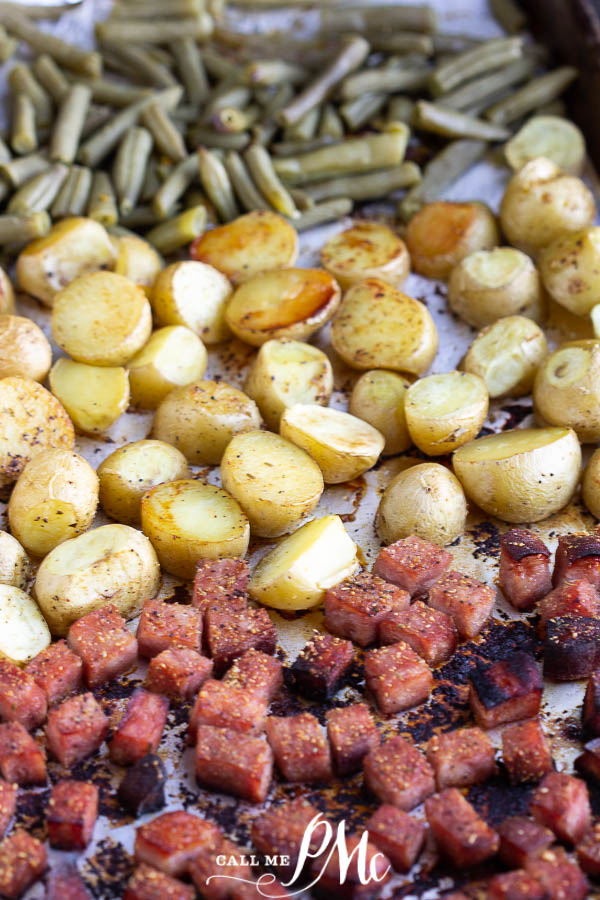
567 389
174 356
570 269
441 234
24 349
137 260
366 250
14 562
445 411
94 396
378 398
590 484
23 629
507 356
193 294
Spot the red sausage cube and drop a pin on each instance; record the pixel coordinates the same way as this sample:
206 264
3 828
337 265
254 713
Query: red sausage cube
352 733
221 582
506 690
524 568
591 705
429 632
526 752
170 841
522 839
577 556
588 851
330 871
468 602
398 774
517 885
412 564
57 671
562 803
164 625
22 861
572 598
147 883
225 706
279 831
204 866
561 878
460 833
64 882
397 677
140 729
75 728
22 760
231 632
355 608
322 666
21 699
257 673
8 805
233 763
588 763
571 647
300 747
178 674
71 815
104 644
400 836
461 757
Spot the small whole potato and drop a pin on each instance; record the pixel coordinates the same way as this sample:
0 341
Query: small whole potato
94 396
174 356
7 294
201 418
445 411
23 629
193 294
24 348
567 389
378 398
137 260
426 500
507 355
541 203
570 270
590 484
14 562
367 250
441 234
54 499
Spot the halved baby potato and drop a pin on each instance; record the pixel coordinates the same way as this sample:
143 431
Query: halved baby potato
256 242
23 630
367 250
71 248
522 475
24 348
298 571
94 396
590 485
441 234
567 389
102 319
54 499
343 446
292 303
570 269
287 372
190 520
552 137
507 355
379 327
193 294
14 562
445 411
173 357
378 398
137 260
7 294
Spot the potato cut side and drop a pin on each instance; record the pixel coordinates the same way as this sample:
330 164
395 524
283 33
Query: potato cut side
174 356
567 389
367 250
14 562
23 630
553 137
441 234
137 260
190 520
296 574
94 396
24 348
590 485
193 294
570 269
507 355
378 398
445 411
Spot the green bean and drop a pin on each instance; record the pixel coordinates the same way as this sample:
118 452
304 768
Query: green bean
185 115
384 80
113 93
245 189
306 128
21 80
402 42
34 10
268 182
167 136
102 203
154 10
67 55
207 137
370 186
175 233
230 119
157 31
24 135
454 43
364 19
216 183
141 217
362 154
400 109
532 95
130 166
191 68
73 196
22 229
477 61
50 77
477 93
219 67
268 127
237 95
152 181
361 110
321 213
161 55
174 186
555 108
451 123
18 171
293 148
331 125
39 192
116 64
8 45
510 16
301 199
147 68
4 153
69 123
97 116
273 71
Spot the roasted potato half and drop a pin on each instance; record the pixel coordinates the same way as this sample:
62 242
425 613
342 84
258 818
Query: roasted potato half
443 412
257 242
14 562
298 571
193 294
287 372
343 446
567 389
23 630
173 357
507 355
7 295
24 348
441 234
553 137
189 520
379 327
522 475
137 260
201 418
367 250
94 396
426 500
54 499
111 564
378 398
102 319
570 269
71 248
590 484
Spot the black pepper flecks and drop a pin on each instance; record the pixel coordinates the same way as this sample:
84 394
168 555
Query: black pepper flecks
107 872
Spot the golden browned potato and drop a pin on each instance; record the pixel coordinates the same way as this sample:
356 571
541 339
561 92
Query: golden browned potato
378 398
24 348
445 411
552 137
71 248
94 396
193 294
567 389
7 294
14 562
137 260
570 269
367 250
590 484
379 327
287 372
441 234
190 520
102 319
174 356
541 204
201 418
254 243
507 355
54 499
286 303
23 629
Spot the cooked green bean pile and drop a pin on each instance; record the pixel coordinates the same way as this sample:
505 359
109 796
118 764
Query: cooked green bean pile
174 122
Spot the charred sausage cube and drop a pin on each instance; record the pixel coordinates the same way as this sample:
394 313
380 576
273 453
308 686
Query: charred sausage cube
148 883
204 867
397 677
526 752
400 836
577 556
233 763
506 690
170 841
75 728
178 674
517 885
524 568
279 831
356 607
322 666
591 705
588 852
465 600
8 805
22 861
460 833
562 803
588 763
572 598
57 671
561 878
225 706
22 760
221 582
21 699
64 882
142 789
412 564
300 747
104 644
461 757
231 632
337 880
571 648
71 814
429 632
522 839
398 774
352 733
140 729
257 673
164 625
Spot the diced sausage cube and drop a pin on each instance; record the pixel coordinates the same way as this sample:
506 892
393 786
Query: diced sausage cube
571 647
140 729
400 836
524 568
225 706
588 851
300 747
577 556
8 805
104 644
398 774
204 867
279 831
561 878
22 861
164 625
412 564
57 671
461 757
231 632
233 763
562 803
517 885
178 674
22 760
71 814
75 728
397 677
506 690
170 841
355 608
64 882
221 582
572 598
322 665
428 631
460 833
257 673
331 873
588 763
526 752
21 699
148 883
142 789
522 839
591 705
352 733
468 602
